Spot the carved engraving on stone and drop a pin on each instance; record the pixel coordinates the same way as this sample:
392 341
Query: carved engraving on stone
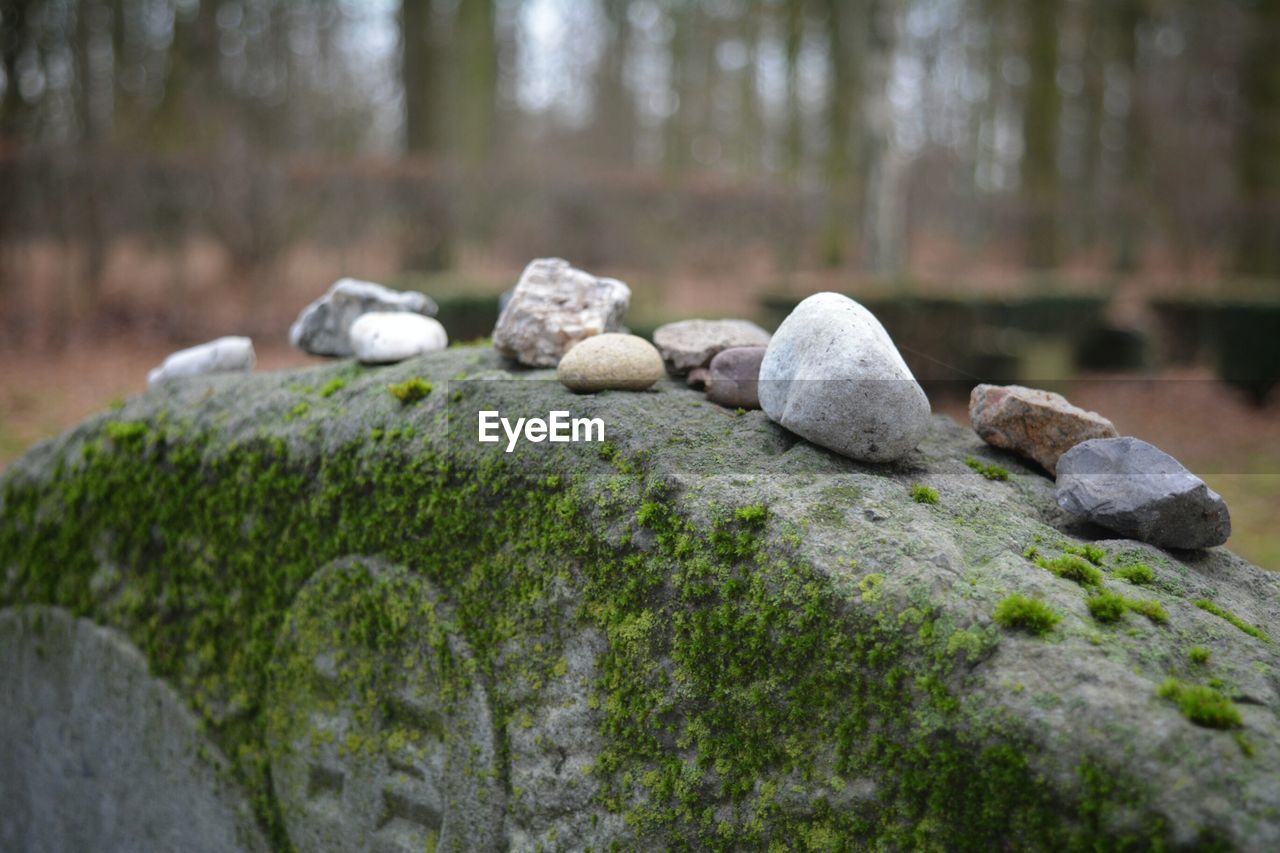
382 735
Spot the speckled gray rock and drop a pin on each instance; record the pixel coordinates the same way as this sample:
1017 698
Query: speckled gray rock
832 375
224 355
381 337
610 362
689 344
1138 490
555 306
734 377
322 327
97 754
1039 425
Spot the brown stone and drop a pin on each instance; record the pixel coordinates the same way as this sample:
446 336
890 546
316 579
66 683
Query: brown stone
734 379
1039 425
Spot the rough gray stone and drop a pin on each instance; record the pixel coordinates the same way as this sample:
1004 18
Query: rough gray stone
322 327
689 344
438 788
555 306
224 355
382 337
96 754
610 362
648 621
734 377
1039 425
832 375
1138 490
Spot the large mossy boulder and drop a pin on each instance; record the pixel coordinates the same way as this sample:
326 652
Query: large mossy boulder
700 632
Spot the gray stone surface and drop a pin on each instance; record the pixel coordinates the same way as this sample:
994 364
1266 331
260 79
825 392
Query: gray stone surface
706 601
322 327
689 344
437 785
1138 490
555 306
223 355
96 754
610 362
832 375
734 377
384 337
1039 425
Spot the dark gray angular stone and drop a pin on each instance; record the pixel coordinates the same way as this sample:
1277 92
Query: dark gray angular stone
1135 488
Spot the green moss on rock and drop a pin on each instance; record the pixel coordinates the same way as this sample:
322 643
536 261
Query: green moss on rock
1026 614
1072 568
763 677
1202 705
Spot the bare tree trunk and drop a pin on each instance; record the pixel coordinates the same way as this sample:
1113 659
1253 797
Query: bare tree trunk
1040 135
1258 147
844 100
675 131
13 39
794 12
751 126
614 105
421 67
479 89
886 167
1129 18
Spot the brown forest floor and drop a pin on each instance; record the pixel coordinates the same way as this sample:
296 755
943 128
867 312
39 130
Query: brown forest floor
1210 427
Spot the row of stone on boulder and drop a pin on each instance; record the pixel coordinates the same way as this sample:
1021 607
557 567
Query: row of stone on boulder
830 374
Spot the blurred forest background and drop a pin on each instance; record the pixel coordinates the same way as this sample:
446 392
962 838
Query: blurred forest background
1022 189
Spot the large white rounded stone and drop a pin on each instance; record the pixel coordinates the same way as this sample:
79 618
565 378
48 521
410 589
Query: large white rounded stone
832 375
382 337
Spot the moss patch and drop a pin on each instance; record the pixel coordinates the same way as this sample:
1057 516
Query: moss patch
1072 568
991 472
924 494
1149 608
1252 630
333 386
1026 614
1092 553
1138 573
411 390
1107 607
1202 705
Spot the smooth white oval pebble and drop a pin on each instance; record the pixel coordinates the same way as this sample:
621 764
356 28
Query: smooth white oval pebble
383 337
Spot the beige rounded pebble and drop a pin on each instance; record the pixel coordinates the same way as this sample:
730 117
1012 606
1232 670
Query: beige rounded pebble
611 362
